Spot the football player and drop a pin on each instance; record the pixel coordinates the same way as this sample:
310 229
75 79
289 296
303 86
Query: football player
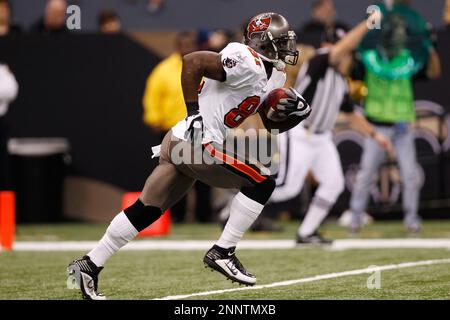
235 83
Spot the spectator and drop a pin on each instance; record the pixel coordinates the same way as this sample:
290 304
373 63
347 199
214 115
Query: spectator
155 6
109 22
6 26
8 92
163 98
54 19
323 26
218 40
164 107
214 40
389 70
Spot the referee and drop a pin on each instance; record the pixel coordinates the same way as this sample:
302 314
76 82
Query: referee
309 146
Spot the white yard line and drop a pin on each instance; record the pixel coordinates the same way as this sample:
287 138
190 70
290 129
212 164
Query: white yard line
312 279
390 243
245 244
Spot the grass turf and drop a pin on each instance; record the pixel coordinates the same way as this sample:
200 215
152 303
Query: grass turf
155 274
86 231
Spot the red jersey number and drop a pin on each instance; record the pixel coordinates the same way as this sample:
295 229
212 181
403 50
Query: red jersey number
237 115
255 55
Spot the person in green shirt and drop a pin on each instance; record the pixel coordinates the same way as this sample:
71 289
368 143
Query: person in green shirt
390 67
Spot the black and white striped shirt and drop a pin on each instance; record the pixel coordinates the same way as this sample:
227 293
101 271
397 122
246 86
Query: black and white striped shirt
326 91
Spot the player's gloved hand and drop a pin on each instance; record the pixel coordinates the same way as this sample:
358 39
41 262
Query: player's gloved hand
194 128
295 105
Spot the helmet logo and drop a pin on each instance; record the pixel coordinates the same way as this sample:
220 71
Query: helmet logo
258 25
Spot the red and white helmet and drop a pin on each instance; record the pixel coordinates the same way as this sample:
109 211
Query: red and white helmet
270 35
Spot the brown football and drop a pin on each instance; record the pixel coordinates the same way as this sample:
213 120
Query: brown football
271 105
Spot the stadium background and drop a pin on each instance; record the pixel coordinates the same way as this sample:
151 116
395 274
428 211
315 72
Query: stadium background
211 14
87 88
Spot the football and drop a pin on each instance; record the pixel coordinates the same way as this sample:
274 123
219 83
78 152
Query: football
271 105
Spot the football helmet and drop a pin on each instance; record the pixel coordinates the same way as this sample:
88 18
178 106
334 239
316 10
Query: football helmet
270 35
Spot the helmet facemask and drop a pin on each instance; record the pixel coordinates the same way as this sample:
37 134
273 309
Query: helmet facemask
286 48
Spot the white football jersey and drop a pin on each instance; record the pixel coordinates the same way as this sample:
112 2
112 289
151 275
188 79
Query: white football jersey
225 105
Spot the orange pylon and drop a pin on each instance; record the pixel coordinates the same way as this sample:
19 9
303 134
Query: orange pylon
7 219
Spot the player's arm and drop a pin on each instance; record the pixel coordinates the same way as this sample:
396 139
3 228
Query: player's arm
197 65
352 39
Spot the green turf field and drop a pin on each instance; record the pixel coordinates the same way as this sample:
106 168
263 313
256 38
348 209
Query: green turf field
156 274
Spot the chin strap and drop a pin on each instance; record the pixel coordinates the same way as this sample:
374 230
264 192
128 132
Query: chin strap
277 63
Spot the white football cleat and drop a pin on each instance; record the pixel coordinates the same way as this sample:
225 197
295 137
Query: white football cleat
225 261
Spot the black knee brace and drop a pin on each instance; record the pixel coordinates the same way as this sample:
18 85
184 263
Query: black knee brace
141 216
260 192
